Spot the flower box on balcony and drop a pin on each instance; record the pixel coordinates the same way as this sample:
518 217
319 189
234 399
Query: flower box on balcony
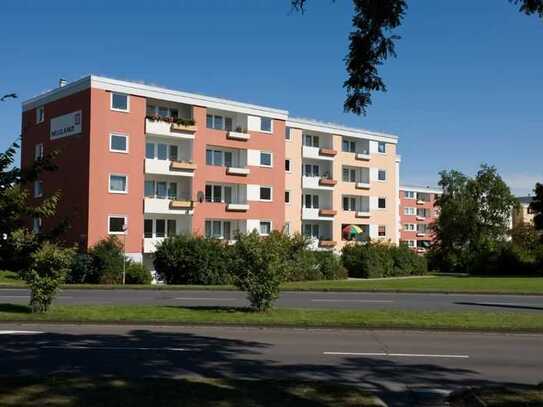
233 207
362 214
237 171
420 217
327 182
191 128
327 212
327 152
362 156
238 135
362 185
327 243
420 202
182 166
181 204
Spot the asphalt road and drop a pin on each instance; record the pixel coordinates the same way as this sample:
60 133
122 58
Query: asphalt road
395 364
338 300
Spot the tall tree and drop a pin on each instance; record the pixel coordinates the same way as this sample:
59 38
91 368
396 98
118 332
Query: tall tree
371 43
474 217
536 206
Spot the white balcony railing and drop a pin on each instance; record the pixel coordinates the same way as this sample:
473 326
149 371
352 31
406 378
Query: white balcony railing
167 167
168 206
164 128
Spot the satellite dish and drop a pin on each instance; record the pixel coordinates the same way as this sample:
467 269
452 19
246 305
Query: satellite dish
200 196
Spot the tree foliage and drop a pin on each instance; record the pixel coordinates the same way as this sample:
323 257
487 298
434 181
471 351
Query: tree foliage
474 217
537 207
371 43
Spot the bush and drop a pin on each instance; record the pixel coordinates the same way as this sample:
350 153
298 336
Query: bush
260 265
137 273
379 259
193 260
507 259
107 262
49 266
81 269
316 265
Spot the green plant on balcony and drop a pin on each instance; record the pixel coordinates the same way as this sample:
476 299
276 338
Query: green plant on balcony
185 122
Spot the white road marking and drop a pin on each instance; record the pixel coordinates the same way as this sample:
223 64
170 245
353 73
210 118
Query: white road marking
407 355
203 299
20 332
83 347
340 300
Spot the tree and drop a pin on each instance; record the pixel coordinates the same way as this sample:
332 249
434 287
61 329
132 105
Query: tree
536 206
474 218
370 44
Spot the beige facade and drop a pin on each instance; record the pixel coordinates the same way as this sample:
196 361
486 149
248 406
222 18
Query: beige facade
341 177
523 214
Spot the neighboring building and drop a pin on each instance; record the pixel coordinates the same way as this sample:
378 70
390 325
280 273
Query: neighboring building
159 162
417 213
523 214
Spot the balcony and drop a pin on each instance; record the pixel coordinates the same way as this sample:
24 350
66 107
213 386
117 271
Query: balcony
315 183
238 135
421 217
318 214
161 127
327 152
168 206
327 182
420 202
363 214
327 212
237 207
362 185
421 234
237 171
149 244
167 167
362 156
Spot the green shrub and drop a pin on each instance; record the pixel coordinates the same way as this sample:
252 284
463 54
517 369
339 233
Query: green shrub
259 266
48 268
317 265
81 269
193 260
408 263
107 262
137 273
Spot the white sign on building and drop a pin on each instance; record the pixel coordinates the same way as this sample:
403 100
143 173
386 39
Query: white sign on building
65 125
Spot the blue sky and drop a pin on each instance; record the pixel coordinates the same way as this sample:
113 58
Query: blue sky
466 87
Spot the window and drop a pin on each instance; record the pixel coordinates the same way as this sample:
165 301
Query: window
409 227
40 115
118 183
410 211
288 136
38 189
219 158
38 151
173 153
312 230
116 225
265 193
382 147
265 228
287 165
36 225
120 102
149 189
311 141
286 228
382 203
409 194
171 227
311 170
218 122
349 203
219 229
287 196
382 231
172 190
311 201
218 193
149 150
265 159
266 124
162 151
348 146
148 228
118 143
349 174
161 189
411 244
160 228
382 175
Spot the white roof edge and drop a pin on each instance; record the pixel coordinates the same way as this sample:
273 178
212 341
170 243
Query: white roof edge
326 127
420 188
155 92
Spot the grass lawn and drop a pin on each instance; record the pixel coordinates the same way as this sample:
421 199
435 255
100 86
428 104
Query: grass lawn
510 396
9 278
99 392
163 314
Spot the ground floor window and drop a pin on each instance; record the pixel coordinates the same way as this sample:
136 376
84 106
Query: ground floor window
159 228
218 229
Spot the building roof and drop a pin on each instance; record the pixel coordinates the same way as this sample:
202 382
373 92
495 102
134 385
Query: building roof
420 188
525 199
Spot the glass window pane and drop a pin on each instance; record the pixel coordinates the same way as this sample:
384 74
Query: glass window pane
265 124
218 123
117 183
148 228
149 150
345 203
209 193
172 190
345 146
149 189
227 231
151 110
316 171
209 157
228 159
174 114
307 230
228 123
308 201
160 228
308 140
287 196
209 121
228 194
265 158
118 143
265 228
307 170
162 151
316 233
217 157
316 141
265 193
216 228
345 175
382 203
353 175
171 227
217 195
119 101
315 201
173 153
208 228
116 224
161 190
382 147
163 111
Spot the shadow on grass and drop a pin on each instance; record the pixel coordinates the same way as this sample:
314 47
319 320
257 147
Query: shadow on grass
15 309
213 308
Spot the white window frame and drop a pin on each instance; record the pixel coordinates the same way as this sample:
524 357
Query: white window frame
260 227
40 114
412 244
378 233
409 211
379 143
260 190
222 186
383 171
271 159
36 192
127 102
288 136
38 151
125 217
409 227
221 235
409 194
111 149
109 183
270 131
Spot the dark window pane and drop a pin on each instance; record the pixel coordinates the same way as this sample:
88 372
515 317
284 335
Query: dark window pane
160 228
148 228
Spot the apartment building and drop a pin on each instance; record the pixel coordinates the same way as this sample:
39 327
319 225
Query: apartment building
144 162
523 214
417 213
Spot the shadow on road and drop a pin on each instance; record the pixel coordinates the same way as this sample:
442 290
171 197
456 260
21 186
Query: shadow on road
498 305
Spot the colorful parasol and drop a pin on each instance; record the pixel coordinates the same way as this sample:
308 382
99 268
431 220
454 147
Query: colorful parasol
351 231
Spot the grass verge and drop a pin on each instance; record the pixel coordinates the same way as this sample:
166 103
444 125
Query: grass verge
151 314
94 392
504 396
